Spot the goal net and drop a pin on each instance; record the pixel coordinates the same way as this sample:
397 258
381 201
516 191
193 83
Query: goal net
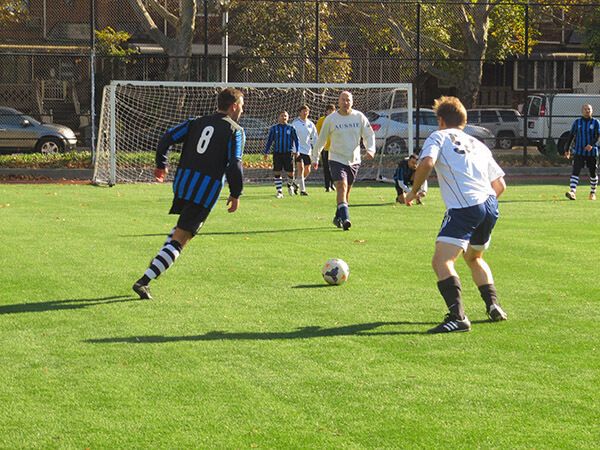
135 114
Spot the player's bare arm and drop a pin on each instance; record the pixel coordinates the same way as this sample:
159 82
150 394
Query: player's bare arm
421 174
499 186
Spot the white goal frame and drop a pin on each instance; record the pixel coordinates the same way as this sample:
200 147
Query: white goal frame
105 157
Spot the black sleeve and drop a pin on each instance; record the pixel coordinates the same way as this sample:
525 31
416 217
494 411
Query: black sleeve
172 136
235 178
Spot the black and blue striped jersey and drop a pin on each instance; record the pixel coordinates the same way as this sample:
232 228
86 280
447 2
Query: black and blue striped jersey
404 173
585 132
212 147
282 136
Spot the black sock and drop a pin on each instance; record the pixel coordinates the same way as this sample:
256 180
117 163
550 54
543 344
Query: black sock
488 294
145 280
450 288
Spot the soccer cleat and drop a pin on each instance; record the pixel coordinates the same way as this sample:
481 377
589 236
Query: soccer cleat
592 196
332 188
279 194
400 198
346 224
496 313
304 193
296 188
337 222
143 290
452 324
571 195
291 189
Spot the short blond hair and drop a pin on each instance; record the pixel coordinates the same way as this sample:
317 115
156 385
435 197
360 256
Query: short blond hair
451 110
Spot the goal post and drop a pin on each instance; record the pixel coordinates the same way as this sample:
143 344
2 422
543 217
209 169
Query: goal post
135 114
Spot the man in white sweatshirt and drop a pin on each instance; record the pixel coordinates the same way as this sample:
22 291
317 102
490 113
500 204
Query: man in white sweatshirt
345 128
307 138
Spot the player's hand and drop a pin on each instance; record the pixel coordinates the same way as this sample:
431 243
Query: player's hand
232 204
568 155
588 148
409 198
160 174
315 165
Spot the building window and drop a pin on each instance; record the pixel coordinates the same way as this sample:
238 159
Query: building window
586 73
545 75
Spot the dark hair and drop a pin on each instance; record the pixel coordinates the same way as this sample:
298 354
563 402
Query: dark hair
414 156
451 110
228 97
303 107
330 107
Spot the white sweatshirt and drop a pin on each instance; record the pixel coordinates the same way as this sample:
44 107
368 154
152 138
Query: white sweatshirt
307 134
345 133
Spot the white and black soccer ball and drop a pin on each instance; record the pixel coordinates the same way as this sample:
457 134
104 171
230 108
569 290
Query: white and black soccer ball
335 271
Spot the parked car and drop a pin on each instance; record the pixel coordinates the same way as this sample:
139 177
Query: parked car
550 117
19 131
391 128
506 124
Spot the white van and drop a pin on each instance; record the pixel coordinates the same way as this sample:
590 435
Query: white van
552 115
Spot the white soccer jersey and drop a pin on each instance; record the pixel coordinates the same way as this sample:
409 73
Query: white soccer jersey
464 166
307 135
345 133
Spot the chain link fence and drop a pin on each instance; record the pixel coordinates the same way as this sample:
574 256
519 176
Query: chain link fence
523 70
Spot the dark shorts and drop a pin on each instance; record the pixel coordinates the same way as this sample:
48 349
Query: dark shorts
304 158
341 172
283 161
581 161
191 215
470 226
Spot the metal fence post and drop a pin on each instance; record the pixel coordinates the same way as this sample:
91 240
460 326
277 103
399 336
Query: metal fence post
416 83
526 89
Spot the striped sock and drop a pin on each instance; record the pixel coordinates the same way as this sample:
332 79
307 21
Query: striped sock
163 260
593 183
573 183
169 236
278 183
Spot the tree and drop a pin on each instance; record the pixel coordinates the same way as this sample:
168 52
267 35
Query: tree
179 46
592 34
456 38
12 11
279 41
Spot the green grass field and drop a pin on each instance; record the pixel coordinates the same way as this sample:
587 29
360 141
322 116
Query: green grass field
245 346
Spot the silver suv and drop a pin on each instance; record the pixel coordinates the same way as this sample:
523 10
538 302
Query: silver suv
19 131
506 124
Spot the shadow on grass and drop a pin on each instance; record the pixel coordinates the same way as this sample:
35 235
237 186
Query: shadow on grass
55 305
366 205
224 233
312 286
361 329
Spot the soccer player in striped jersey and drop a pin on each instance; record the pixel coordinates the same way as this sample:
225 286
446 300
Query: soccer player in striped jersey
404 177
471 182
307 138
212 147
586 132
283 138
345 128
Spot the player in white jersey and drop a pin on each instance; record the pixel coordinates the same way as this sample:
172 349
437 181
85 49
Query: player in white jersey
307 138
470 181
344 128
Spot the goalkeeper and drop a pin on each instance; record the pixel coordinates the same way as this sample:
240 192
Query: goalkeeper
404 177
212 147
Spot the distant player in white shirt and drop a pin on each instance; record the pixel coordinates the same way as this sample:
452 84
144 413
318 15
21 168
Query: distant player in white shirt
307 138
470 181
344 128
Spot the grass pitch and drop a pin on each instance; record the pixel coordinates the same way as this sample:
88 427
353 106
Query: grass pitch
245 346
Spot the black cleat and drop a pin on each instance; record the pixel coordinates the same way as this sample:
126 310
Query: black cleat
346 224
452 324
496 313
337 222
143 290
304 193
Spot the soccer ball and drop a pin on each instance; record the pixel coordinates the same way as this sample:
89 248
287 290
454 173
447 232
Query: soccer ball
335 271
